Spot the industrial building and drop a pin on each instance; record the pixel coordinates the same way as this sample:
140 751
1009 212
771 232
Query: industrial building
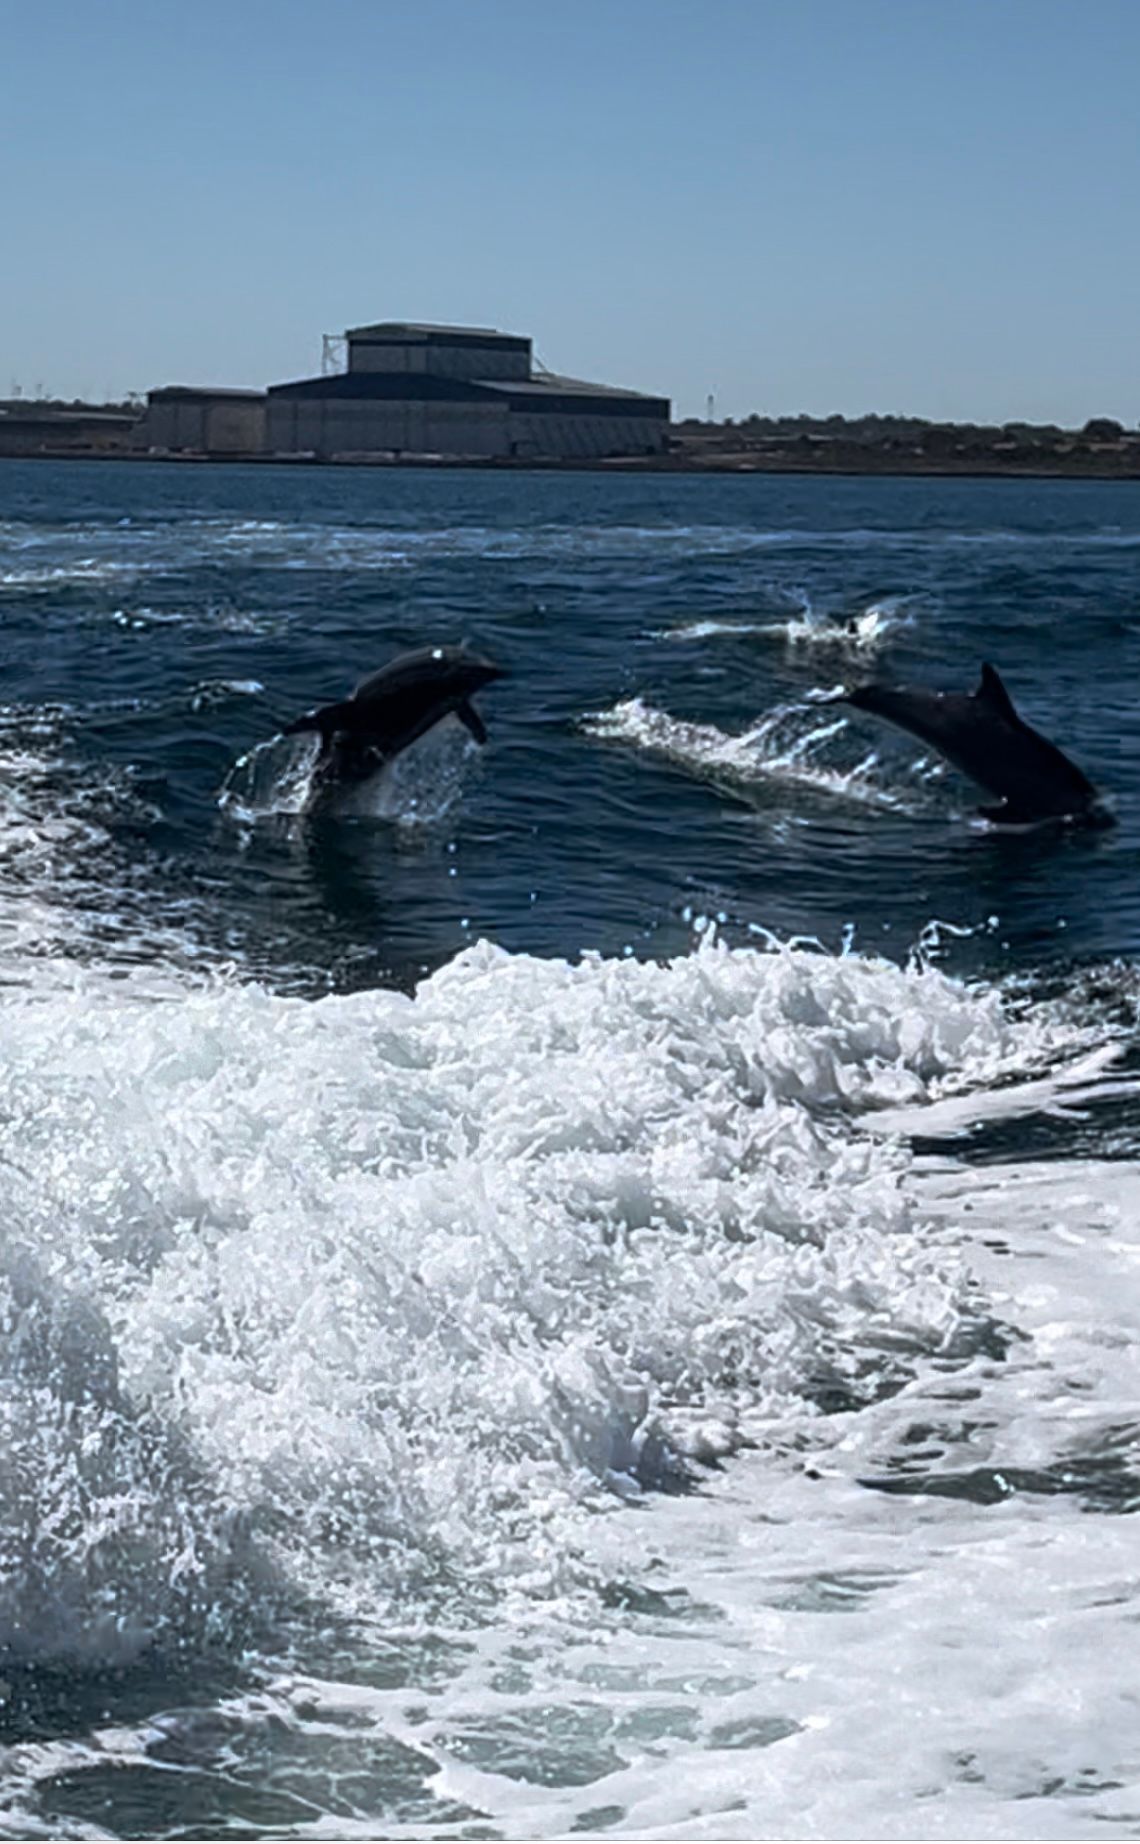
462 392
31 428
183 419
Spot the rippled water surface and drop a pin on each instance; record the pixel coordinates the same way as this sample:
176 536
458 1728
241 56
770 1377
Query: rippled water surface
593 1286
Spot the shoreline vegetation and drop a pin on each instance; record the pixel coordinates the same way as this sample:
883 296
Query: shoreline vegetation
1103 449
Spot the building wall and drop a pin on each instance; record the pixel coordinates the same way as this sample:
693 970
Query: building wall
438 360
348 426
35 433
175 422
235 426
585 437
206 425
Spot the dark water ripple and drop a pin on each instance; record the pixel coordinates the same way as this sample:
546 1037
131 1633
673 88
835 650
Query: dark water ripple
656 761
177 616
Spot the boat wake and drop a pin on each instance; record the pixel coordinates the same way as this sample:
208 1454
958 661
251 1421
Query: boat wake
373 1317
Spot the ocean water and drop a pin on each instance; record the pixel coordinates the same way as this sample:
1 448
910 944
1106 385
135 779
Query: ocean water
594 1287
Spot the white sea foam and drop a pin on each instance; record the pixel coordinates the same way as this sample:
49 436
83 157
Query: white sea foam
788 747
398 1304
713 628
211 693
860 633
84 571
551 1217
70 893
809 626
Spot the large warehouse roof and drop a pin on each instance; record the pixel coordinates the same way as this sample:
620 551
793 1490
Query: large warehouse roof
567 395
424 331
549 381
413 386
548 392
554 381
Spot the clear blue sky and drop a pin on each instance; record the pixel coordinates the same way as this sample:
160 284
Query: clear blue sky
928 206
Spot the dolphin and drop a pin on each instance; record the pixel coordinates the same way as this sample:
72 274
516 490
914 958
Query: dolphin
393 707
981 733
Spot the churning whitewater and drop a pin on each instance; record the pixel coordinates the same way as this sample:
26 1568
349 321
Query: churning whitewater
593 1288
378 1305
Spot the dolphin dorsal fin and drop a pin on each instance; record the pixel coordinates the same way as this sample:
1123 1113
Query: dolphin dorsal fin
991 691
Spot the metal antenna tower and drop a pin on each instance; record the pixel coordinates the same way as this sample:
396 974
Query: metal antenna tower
334 354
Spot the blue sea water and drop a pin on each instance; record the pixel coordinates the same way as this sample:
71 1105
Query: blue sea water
593 1287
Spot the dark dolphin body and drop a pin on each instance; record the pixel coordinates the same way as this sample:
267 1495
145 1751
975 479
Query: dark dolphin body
393 708
982 734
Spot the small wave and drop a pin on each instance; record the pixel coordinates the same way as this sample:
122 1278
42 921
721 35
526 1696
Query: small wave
210 616
74 893
87 572
714 630
43 560
214 692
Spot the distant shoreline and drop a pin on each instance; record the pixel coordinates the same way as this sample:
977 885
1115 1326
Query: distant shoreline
893 446
722 463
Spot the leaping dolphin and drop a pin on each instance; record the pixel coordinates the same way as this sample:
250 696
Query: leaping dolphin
981 733
393 707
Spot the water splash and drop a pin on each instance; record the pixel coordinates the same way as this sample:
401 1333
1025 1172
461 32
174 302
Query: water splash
419 787
809 626
777 751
